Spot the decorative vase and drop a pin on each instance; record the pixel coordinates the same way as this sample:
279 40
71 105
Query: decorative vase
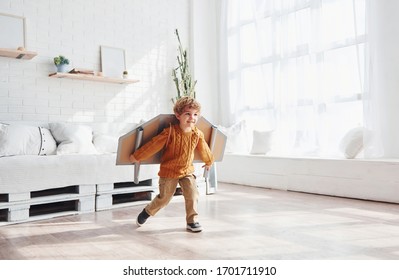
61 68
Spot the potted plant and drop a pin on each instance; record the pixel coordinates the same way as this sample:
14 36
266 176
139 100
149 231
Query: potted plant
61 62
185 85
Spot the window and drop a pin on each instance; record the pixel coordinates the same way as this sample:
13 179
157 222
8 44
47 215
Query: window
297 67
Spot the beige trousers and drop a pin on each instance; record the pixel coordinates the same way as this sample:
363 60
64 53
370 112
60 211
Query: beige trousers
167 188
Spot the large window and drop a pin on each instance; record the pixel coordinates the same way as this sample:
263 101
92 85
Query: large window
296 67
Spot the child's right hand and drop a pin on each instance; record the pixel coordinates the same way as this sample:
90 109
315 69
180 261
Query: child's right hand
132 159
207 167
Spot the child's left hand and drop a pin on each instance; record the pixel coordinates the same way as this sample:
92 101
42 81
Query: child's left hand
133 159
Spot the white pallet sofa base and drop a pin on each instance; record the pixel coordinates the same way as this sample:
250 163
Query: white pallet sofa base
106 193
19 207
93 176
20 176
368 179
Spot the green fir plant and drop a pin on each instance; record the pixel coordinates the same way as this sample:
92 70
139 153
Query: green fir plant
185 85
60 60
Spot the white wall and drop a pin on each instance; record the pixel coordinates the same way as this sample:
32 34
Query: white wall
77 29
205 56
382 98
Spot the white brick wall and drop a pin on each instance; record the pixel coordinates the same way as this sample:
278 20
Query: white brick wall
77 29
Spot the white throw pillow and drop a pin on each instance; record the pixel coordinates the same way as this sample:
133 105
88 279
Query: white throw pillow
352 143
261 142
73 138
236 138
48 145
105 143
20 139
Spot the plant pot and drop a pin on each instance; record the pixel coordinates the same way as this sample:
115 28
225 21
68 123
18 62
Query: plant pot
62 68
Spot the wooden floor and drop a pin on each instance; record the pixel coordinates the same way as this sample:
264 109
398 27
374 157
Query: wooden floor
239 223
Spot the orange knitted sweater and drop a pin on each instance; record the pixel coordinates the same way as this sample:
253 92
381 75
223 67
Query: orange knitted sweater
178 154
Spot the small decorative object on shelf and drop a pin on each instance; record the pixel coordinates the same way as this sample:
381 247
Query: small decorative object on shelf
82 71
125 74
61 62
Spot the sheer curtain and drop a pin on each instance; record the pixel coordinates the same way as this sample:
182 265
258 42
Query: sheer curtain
296 67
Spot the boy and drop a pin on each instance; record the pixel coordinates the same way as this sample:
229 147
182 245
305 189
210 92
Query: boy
179 142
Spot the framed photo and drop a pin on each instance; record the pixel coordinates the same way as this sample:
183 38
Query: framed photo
12 31
113 62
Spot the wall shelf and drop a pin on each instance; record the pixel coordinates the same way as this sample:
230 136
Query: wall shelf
93 78
17 54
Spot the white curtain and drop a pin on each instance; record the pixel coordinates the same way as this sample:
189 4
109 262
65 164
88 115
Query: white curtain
296 67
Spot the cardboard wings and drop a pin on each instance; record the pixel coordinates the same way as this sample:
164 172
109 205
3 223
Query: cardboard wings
134 139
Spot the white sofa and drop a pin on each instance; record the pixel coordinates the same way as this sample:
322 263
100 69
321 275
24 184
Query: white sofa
44 172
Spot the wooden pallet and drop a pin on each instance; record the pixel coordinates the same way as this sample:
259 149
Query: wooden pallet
124 194
49 203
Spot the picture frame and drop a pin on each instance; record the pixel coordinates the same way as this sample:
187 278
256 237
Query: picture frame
113 61
13 31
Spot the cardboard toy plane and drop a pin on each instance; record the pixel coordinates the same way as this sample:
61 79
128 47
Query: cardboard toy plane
134 139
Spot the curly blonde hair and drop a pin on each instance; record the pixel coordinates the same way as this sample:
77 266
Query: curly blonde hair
186 101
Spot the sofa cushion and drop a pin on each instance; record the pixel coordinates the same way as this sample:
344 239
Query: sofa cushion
21 139
29 173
